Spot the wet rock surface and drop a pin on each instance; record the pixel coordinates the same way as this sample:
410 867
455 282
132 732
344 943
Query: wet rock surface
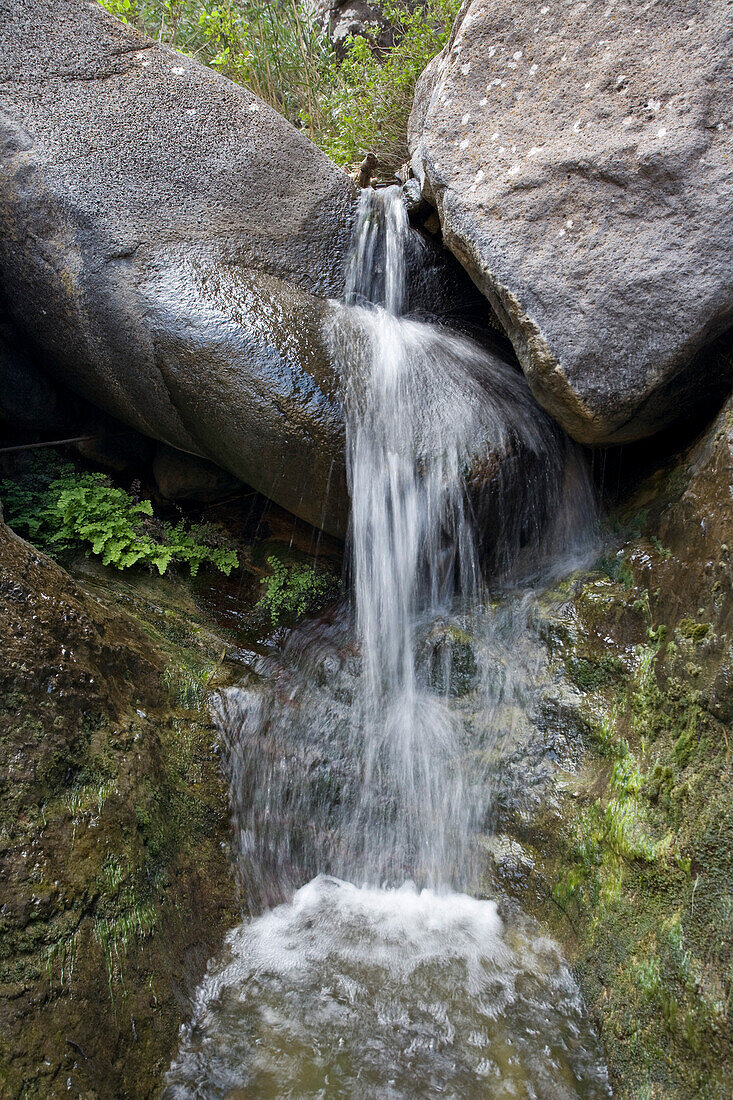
181 476
114 877
619 834
579 159
169 243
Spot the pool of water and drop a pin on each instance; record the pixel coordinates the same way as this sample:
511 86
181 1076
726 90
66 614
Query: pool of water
368 993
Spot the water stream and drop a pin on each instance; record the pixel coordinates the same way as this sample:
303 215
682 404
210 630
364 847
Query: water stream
359 751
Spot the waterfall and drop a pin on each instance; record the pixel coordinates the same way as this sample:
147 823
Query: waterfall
410 418
354 767
429 412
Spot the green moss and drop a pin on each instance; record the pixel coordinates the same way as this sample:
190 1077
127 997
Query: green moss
188 686
639 872
451 661
694 631
590 674
119 801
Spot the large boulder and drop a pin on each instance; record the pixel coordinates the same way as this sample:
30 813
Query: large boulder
179 476
28 398
169 244
580 159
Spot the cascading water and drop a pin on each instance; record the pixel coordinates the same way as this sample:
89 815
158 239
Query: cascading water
356 767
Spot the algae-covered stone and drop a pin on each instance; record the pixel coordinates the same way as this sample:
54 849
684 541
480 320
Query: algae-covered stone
114 876
634 847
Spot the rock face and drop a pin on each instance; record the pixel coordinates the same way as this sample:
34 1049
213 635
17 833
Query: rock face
580 159
28 397
613 790
169 243
185 477
113 786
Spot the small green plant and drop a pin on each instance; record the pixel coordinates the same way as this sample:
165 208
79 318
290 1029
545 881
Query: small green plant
294 590
61 956
83 800
626 776
664 552
61 509
186 685
136 922
648 976
618 569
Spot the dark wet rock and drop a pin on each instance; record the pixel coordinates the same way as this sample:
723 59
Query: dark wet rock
412 197
170 243
181 476
627 816
116 448
452 668
512 863
580 159
29 399
114 875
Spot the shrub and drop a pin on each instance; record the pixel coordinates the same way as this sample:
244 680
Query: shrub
277 49
61 510
366 100
293 590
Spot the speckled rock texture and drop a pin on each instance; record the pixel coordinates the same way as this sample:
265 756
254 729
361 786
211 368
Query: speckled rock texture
580 158
169 243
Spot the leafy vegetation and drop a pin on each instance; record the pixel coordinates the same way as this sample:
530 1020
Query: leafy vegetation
61 510
590 674
367 98
617 569
293 590
348 105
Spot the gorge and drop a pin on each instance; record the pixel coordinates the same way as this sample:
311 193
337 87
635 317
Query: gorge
444 809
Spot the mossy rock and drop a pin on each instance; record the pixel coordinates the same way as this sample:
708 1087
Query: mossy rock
113 838
633 854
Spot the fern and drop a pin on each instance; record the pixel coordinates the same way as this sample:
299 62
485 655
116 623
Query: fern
294 590
84 510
